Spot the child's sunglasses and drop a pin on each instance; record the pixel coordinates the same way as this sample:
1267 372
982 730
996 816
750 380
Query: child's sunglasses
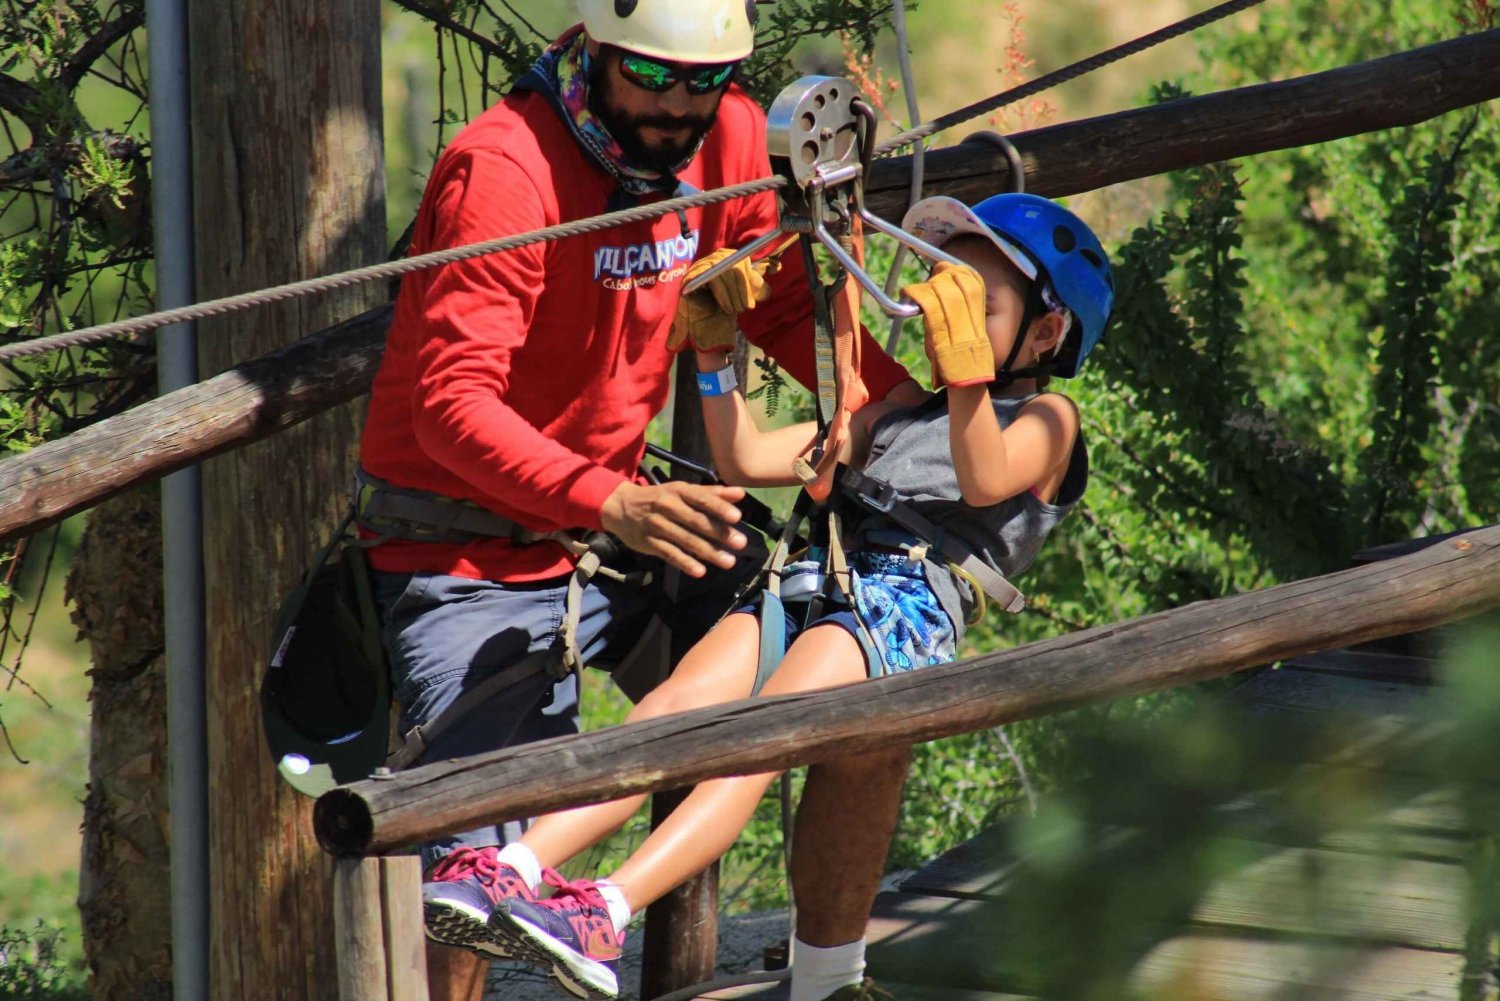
658 77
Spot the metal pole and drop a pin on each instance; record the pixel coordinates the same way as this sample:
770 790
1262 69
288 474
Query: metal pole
182 505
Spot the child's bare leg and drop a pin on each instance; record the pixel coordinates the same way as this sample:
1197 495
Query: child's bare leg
707 822
719 668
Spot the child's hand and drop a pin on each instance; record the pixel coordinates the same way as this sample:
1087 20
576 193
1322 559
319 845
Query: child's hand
952 302
706 317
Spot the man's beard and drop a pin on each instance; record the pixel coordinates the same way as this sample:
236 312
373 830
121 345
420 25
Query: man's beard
664 156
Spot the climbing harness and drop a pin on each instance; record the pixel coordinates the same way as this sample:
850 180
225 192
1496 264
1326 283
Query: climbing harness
325 695
820 136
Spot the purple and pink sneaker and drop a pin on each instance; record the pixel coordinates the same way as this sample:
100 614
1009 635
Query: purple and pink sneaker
460 894
568 933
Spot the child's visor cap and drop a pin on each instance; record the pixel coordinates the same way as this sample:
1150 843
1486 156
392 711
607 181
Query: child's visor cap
940 218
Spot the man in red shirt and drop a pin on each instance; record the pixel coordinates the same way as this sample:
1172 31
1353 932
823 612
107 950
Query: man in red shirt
523 383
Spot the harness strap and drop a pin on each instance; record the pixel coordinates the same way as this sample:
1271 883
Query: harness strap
841 390
399 512
588 565
394 512
772 614
414 742
878 496
841 577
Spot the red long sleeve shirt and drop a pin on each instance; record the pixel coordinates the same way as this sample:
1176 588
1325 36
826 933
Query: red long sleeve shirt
523 381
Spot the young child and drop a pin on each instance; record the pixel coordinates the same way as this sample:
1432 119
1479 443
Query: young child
992 459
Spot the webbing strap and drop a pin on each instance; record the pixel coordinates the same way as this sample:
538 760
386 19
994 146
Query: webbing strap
843 578
588 565
404 513
879 497
772 616
414 742
841 390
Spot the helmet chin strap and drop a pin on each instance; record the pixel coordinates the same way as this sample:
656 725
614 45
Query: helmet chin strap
1005 376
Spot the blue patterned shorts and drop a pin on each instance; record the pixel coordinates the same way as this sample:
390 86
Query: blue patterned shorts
905 620
903 615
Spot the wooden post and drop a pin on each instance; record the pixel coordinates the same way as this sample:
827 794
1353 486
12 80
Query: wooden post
289 183
359 939
405 942
682 928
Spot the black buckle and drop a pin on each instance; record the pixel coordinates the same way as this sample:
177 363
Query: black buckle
877 495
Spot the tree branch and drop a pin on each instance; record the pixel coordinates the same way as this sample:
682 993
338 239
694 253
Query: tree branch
98 45
21 100
34 164
447 23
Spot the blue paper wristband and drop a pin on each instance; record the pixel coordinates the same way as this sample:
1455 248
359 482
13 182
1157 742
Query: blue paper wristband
717 383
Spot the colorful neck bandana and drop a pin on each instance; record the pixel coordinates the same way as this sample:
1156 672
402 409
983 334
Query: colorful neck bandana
562 74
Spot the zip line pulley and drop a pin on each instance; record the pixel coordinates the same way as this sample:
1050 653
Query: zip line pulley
820 134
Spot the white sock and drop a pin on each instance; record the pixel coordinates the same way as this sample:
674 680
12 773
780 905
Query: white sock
817 973
524 861
619 908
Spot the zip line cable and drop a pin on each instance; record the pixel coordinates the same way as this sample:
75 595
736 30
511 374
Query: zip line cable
376 272
1064 75
918 160
394 269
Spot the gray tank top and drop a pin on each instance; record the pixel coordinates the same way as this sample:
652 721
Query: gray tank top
910 451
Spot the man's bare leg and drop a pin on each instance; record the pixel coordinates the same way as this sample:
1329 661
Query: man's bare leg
454 974
840 842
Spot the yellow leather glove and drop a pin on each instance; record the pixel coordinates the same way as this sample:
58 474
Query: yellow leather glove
952 302
707 317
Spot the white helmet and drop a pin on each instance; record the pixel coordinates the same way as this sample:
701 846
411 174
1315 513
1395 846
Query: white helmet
684 31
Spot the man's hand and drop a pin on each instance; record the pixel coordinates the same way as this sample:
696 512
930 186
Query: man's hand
952 302
707 317
687 525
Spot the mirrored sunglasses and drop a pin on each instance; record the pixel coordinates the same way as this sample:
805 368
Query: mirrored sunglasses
659 77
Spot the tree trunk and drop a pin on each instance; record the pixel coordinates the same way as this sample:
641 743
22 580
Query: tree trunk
288 183
115 588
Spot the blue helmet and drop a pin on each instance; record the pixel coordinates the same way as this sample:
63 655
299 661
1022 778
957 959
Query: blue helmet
1044 240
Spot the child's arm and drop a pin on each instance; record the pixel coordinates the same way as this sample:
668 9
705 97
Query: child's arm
994 464
746 456
991 464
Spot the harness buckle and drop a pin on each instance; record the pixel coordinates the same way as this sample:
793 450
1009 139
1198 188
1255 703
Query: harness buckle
877 495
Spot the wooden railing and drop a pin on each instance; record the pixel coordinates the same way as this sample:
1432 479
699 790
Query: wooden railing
1453 579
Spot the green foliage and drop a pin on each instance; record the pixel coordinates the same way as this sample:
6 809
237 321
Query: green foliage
786 23
74 223
31 968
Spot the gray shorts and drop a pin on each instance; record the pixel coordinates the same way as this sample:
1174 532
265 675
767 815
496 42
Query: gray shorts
446 634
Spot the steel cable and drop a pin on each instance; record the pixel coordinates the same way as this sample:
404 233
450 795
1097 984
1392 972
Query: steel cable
1064 75
393 269
376 272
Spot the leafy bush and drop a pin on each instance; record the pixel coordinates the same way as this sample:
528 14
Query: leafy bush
32 970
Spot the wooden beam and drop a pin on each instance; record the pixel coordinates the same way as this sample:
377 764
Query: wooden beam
1390 92
1208 639
60 478
245 404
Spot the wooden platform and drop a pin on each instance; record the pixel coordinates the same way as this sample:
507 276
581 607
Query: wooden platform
1372 911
